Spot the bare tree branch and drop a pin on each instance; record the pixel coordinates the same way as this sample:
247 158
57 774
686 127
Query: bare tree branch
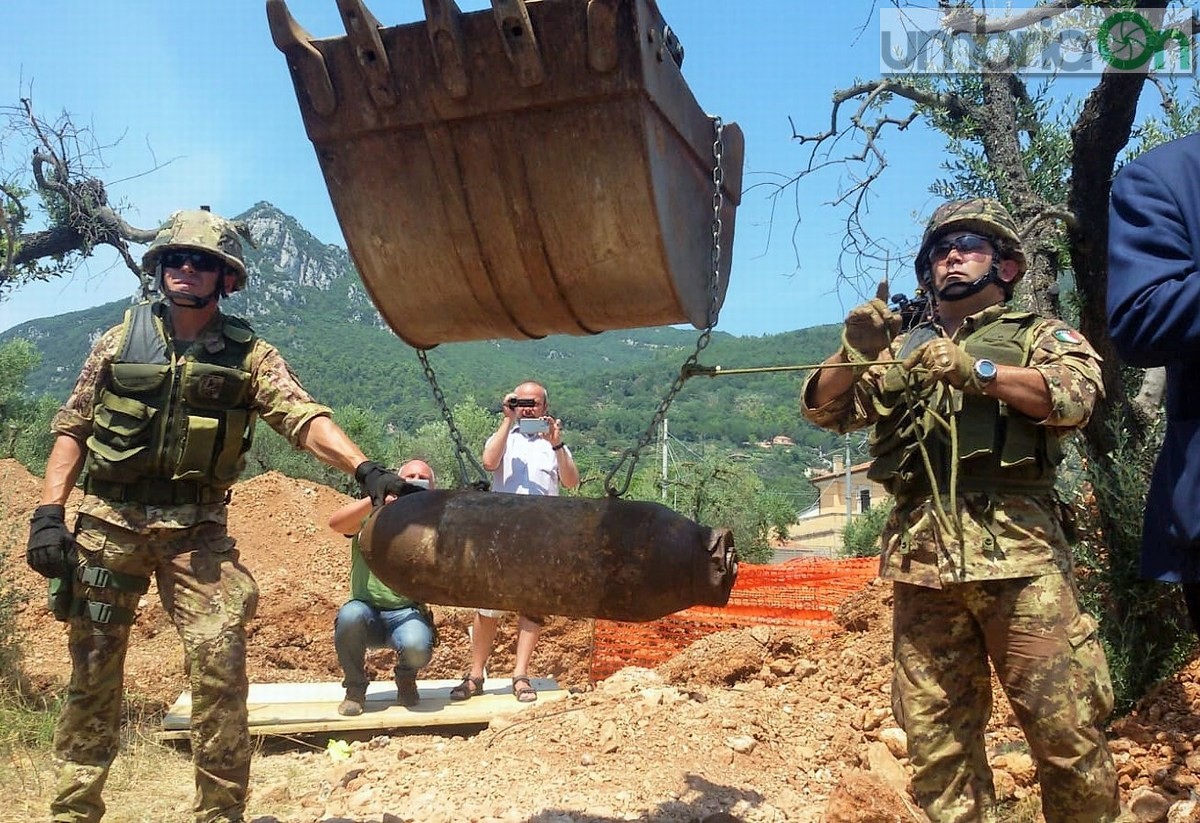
965 20
78 215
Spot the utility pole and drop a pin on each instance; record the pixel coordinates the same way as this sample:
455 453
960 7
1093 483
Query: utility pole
664 460
849 485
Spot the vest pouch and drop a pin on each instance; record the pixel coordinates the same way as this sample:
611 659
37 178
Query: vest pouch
978 427
121 422
239 435
117 465
138 378
1022 444
120 446
197 448
208 386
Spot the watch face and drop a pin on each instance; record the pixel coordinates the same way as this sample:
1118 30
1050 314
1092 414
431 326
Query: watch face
985 370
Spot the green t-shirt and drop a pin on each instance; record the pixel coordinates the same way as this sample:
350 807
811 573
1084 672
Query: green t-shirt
368 588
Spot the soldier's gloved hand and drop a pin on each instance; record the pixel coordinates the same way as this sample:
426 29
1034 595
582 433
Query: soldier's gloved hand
377 482
51 548
944 361
871 327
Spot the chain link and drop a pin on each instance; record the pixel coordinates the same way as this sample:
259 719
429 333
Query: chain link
691 364
460 448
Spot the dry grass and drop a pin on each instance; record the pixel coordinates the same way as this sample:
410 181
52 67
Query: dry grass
149 782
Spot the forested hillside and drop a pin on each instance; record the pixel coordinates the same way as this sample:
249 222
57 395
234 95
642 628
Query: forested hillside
305 297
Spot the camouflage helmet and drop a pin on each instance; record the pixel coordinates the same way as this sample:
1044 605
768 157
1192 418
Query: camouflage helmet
200 230
983 215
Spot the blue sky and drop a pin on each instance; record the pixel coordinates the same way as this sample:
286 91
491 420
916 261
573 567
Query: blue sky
201 85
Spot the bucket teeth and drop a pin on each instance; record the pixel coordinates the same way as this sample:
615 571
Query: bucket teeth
306 64
362 29
520 41
449 48
602 34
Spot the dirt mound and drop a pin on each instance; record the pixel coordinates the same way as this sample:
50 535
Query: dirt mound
761 724
303 572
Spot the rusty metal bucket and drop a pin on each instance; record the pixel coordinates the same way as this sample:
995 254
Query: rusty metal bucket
539 168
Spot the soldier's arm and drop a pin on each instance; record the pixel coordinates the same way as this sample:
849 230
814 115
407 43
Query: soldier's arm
73 421
279 399
1070 368
325 440
1022 389
62 469
826 385
290 410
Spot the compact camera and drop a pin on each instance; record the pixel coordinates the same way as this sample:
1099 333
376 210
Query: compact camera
522 403
418 481
532 425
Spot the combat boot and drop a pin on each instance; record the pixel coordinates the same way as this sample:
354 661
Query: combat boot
352 706
406 689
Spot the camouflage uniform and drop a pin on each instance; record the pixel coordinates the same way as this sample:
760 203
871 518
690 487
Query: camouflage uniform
997 584
206 591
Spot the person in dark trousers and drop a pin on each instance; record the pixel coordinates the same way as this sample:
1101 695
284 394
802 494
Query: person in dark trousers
1154 320
968 409
159 422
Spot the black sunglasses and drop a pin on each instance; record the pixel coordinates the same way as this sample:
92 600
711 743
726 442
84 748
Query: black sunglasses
963 244
198 260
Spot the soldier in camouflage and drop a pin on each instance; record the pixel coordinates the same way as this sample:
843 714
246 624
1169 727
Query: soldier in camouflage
969 408
159 423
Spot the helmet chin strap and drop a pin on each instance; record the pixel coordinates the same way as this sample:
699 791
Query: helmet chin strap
188 301
961 291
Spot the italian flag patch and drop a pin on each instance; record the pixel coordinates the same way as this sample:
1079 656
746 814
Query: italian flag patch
1067 336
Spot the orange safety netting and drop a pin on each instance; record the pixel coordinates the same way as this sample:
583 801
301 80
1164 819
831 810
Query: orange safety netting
801 592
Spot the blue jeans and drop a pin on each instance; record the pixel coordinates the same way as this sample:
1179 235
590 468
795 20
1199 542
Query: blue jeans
360 626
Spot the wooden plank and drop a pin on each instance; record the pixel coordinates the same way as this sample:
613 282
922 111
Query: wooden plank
300 708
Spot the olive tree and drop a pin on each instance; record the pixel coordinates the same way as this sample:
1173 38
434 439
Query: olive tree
1051 162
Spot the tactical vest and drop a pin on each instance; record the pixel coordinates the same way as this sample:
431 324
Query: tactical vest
168 433
998 450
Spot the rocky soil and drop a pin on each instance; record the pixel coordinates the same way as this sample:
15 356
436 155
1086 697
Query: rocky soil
763 724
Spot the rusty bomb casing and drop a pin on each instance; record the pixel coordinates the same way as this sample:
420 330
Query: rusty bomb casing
575 557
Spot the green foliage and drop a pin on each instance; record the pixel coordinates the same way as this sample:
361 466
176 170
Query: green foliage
432 443
861 536
27 433
605 387
272 452
24 422
1143 623
716 491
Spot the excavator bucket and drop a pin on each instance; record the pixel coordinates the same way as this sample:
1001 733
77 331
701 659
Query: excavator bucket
536 168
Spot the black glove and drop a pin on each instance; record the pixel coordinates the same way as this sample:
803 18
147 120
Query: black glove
51 548
377 482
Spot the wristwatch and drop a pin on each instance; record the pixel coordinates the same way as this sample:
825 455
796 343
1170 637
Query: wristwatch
985 371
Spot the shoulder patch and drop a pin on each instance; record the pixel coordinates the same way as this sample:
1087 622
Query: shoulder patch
1068 336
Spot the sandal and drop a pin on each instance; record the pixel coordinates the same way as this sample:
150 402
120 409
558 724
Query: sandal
525 693
468 688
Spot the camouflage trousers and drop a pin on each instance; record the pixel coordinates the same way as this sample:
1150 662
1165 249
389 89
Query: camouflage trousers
210 597
1050 662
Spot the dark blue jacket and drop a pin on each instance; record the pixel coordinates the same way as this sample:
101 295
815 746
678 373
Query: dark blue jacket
1154 319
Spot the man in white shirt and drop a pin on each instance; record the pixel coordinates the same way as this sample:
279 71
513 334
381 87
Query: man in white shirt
526 455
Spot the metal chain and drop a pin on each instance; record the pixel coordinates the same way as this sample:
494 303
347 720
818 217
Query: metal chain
690 365
460 447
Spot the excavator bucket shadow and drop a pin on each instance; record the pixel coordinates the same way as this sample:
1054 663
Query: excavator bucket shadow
537 168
